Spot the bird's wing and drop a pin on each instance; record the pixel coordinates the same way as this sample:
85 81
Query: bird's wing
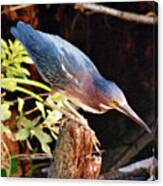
56 59
76 58
41 50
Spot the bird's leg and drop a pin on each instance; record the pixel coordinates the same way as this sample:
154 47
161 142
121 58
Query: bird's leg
76 113
75 116
49 98
69 115
50 101
85 123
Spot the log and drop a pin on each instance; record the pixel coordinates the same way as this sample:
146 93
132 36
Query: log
73 154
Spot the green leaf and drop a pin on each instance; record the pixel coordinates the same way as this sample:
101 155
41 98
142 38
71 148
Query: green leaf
24 122
57 97
41 135
17 44
5 112
9 103
6 130
10 44
16 71
24 71
40 106
13 55
20 71
3 56
43 138
3 172
8 84
22 134
20 104
4 44
29 82
53 117
28 92
27 60
14 166
46 149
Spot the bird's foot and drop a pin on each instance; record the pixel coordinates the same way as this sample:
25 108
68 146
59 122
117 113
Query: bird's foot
76 116
95 141
84 123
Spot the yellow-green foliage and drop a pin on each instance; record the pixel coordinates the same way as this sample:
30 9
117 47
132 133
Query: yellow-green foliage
13 78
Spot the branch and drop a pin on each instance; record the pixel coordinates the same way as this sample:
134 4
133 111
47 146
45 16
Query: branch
140 142
117 13
119 156
143 164
36 156
15 8
133 171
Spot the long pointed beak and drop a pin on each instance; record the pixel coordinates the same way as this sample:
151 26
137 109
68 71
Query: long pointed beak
128 111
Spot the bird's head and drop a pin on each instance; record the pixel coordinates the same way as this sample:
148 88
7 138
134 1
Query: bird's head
115 99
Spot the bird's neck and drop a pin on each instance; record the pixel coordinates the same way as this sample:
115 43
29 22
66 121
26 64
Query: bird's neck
102 84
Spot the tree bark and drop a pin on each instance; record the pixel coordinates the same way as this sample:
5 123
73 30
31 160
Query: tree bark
73 155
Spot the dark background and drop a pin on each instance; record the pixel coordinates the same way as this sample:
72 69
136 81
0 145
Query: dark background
125 52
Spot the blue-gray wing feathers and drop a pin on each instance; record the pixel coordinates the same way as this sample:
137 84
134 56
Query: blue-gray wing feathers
56 59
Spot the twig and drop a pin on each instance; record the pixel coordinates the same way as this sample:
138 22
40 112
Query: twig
3 94
74 23
32 156
117 13
30 97
133 171
15 8
143 164
138 144
30 111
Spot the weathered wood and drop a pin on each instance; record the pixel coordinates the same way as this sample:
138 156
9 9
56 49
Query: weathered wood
144 168
73 155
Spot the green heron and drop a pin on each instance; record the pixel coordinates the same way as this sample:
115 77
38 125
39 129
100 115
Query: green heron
71 72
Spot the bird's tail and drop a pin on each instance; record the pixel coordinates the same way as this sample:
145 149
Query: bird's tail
40 47
33 40
23 32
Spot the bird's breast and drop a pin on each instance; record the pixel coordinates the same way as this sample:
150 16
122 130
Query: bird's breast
89 100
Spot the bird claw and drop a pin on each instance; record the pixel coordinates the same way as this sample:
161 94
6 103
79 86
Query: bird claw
84 123
95 141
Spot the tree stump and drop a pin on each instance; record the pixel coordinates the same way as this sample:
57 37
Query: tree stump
73 155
